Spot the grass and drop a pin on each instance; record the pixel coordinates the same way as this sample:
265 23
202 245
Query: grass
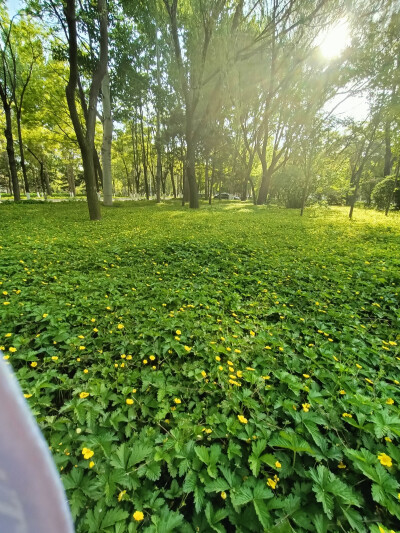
232 369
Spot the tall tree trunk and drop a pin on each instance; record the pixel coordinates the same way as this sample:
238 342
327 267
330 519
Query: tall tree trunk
171 170
10 151
22 155
387 170
86 139
144 158
265 183
71 179
107 140
191 169
47 182
210 191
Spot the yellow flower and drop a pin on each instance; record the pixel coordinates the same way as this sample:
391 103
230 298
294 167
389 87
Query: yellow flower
369 381
87 453
388 439
204 374
220 367
121 495
217 358
187 348
177 401
249 368
229 363
86 371
306 376
278 464
95 330
252 333
341 465
45 315
6 303
5 357
145 361
128 357
151 357
267 348
91 464
12 349
55 358
390 401
138 516
83 395
133 390
223 495
82 347
266 377
34 364
239 374
342 391
92 320
81 337
358 366
120 326
8 335
27 395
178 332
347 415
306 407
238 351
242 419
129 401
272 483
385 460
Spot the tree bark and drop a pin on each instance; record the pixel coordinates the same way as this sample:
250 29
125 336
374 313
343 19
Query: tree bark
86 139
22 155
10 148
387 170
107 140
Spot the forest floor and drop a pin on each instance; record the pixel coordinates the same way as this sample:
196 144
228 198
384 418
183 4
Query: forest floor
234 368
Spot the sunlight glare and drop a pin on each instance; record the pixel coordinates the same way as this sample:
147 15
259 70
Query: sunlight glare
335 40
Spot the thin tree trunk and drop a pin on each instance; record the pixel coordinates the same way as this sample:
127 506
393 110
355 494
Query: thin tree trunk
388 152
144 159
210 192
171 170
107 140
22 155
10 151
191 170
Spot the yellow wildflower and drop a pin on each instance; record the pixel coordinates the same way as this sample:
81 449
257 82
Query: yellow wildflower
177 401
223 495
138 516
83 395
129 401
385 460
306 407
390 401
87 453
242 419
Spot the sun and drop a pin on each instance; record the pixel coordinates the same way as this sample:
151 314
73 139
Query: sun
335 40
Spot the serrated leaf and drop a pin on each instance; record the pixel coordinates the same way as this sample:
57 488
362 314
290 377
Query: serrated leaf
113 516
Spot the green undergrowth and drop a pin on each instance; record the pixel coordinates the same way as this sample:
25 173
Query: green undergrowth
234 368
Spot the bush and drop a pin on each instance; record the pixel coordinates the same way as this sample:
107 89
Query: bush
382 192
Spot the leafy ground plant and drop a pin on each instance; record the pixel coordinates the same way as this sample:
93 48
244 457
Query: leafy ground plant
232 369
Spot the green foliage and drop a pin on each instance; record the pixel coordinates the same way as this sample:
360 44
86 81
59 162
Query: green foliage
258 352
383 191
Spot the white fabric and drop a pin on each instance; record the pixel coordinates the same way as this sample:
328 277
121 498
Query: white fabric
32 498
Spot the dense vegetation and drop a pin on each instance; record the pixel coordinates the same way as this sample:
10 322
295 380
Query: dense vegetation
282 101
233 368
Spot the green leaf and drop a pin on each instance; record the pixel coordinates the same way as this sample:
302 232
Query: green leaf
113 516
203 454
